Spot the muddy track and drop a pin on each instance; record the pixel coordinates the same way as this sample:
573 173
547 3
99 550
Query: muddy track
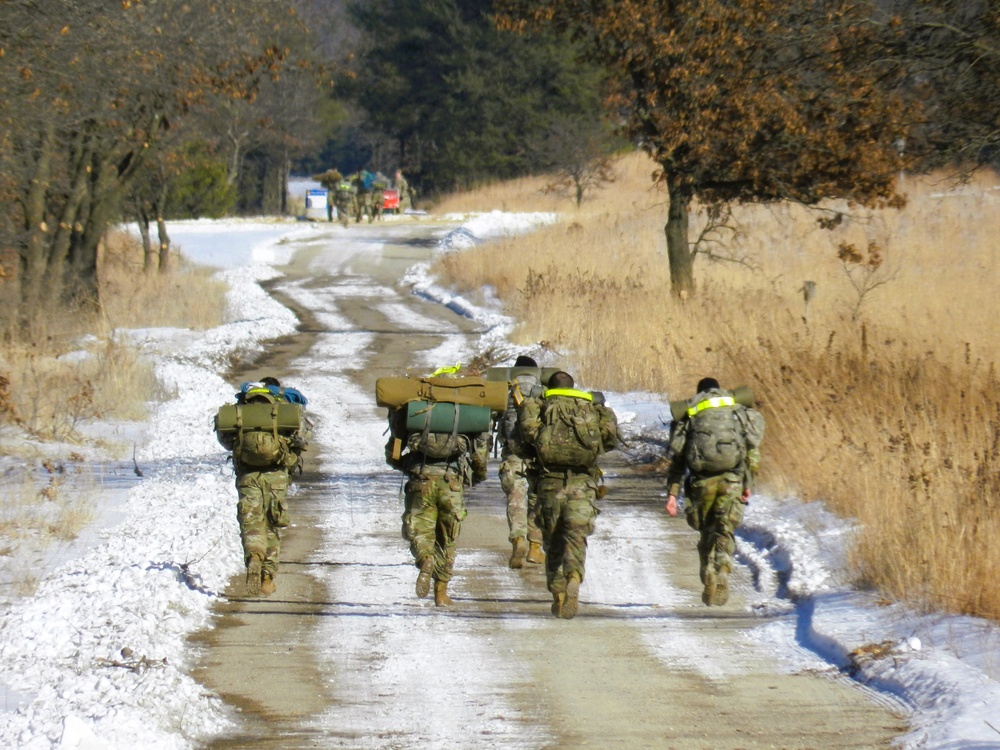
596 681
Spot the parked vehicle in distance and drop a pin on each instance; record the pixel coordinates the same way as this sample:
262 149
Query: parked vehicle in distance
390 201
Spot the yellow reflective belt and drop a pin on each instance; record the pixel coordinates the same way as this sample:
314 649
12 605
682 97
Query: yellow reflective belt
571 392
447 370
711 403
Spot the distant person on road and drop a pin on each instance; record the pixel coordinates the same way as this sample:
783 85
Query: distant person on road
519 473
329 181
714 455
568 431
376 200
344 199
263 459
438 467
405 192
362 181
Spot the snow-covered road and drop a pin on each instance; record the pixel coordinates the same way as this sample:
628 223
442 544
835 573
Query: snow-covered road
644 665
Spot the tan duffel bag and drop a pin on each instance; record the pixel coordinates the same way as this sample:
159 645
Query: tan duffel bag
395 392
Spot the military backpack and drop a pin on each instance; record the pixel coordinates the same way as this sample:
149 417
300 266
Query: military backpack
719 433
570 433
257 432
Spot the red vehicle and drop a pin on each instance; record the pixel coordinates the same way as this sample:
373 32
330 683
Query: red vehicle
390 201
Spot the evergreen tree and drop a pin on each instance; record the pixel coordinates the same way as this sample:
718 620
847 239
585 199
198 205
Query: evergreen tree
466 103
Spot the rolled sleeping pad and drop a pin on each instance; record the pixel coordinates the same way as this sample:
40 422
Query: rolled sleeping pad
395 392
471 419
741 395
259 416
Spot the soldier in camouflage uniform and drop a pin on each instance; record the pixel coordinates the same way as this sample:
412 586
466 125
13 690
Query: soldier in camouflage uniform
329 180
362 194
567 492
405 192
376 198
263 492
519 474
434 500
344 199
715 499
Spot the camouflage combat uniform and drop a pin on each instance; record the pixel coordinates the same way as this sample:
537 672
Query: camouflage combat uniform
329 180
376 198
567 499
262 510
518 477
344 199
714 501
405 193
362 195
434 502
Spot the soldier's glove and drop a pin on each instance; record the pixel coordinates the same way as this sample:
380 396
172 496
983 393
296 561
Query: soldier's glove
298 443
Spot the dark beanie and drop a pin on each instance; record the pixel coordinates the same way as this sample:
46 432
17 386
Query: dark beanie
707 384
525 361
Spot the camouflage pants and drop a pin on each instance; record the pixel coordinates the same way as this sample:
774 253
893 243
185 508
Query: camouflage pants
715 510
432 519
565 514
361 206
519 486
262 512
343 212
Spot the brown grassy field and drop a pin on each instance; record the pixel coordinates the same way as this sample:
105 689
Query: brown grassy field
72 367
881 397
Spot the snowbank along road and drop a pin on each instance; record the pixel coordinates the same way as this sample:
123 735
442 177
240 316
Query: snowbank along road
345 655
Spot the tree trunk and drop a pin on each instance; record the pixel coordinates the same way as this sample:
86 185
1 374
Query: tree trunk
678 251
161 228
271 189
148 256
34 254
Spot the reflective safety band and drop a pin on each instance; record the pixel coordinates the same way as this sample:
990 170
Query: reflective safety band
447 370
571 392
711 403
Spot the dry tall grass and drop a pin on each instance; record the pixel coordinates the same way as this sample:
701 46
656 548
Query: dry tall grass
883 400
72 367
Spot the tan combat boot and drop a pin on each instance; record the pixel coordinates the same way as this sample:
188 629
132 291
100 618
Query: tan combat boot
721 587
708 594
441 598
557 603
267 585
535 554
520 551
253 575
424 579
572 603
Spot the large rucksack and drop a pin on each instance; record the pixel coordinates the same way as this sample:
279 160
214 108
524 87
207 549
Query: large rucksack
570 435
257 432
719 433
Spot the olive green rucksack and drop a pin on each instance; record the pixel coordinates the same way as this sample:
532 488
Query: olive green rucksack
570 435
257 433
719 436
260 448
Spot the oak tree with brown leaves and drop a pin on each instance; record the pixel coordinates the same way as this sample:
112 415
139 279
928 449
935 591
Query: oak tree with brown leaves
743 100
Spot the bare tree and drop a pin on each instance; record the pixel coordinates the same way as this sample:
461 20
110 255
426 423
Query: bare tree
97 85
